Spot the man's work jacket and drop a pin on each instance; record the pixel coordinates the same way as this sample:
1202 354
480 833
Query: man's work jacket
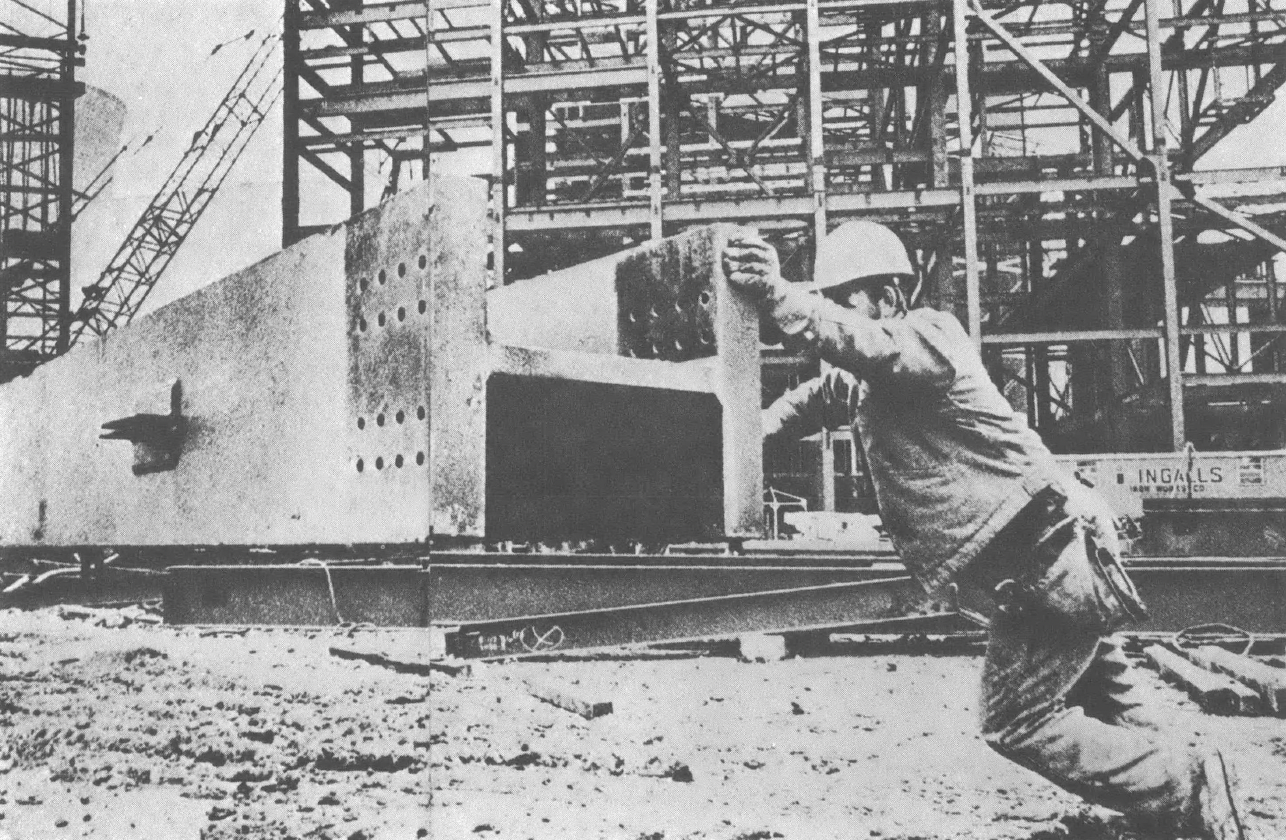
950 460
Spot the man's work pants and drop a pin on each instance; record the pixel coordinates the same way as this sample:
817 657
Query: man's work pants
1060 700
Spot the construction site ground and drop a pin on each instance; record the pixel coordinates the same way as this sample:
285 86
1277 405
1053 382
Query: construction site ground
118 727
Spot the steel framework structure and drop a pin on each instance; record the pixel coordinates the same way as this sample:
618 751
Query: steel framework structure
39 53
1041 159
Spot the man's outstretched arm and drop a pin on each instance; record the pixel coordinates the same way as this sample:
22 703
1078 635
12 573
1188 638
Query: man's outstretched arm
824 401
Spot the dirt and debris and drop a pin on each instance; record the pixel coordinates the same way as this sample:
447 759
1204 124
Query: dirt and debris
149 731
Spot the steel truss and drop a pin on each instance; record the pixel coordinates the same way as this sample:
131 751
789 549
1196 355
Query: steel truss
1039 158
39 53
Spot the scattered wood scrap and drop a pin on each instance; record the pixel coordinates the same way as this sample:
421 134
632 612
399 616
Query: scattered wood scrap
564 699
1214 693
403 663
1270 682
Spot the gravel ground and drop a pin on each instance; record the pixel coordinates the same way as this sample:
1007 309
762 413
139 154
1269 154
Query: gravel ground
162 732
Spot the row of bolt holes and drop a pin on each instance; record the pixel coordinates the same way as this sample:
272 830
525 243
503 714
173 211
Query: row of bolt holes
401 316
653 350
703 301
706 338
382 277
397 462
399 418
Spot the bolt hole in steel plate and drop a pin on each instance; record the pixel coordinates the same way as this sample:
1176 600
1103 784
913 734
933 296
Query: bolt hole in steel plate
666 300
388 367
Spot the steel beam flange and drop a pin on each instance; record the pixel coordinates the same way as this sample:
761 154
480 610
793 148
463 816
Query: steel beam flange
775 611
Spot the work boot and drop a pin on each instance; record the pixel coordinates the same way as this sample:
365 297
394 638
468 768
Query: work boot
1218 818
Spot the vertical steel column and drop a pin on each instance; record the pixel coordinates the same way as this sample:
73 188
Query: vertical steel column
357 147
964 118
1161 162
429 39
1234 337
497 210
935 91
66 157
1276 357
816 139
817 185
654 118
290 124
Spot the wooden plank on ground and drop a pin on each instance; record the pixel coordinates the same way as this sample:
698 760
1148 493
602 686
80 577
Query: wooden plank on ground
564 699
1214 693
402 663
1270 682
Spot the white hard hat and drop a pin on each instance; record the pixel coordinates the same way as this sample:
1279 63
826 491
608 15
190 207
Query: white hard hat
856 250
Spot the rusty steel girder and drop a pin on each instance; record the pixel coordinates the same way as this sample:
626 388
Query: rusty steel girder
360 387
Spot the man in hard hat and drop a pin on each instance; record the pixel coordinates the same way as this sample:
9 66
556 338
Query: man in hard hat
971 496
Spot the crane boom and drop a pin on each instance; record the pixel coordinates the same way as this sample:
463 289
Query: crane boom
165 223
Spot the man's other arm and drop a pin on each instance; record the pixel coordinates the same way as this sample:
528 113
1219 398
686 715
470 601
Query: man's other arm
823 401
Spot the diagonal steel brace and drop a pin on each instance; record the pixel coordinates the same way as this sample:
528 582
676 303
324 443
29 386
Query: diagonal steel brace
1241 220
1031 60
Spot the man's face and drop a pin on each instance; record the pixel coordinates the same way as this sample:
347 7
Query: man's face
866 301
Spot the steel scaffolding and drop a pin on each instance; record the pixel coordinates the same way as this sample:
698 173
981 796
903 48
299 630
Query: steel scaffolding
1039 158
39 53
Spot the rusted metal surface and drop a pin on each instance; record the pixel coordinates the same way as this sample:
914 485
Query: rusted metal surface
391 258
457 375
674 305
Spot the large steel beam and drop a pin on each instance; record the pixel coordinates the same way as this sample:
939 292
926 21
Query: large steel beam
798 609
664 305
495 603
348 390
